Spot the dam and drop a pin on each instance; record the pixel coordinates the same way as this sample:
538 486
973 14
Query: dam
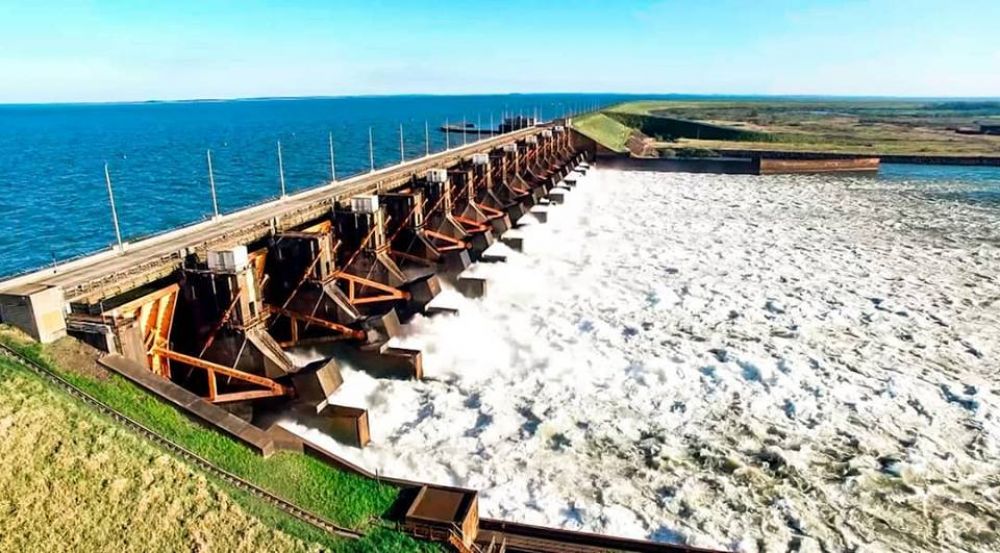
499 332
203 316
342 262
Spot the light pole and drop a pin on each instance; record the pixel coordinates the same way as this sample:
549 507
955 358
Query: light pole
371 151
427 138
402 156
114 212
211 183
333 162
281 171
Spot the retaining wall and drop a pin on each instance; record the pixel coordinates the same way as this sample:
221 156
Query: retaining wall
993 161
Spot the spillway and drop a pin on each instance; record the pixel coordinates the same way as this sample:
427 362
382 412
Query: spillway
756 363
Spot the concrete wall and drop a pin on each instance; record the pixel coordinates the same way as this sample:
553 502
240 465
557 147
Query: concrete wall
993 161
784 166
740 166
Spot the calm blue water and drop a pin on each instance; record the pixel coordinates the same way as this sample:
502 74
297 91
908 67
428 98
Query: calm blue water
52 190
54 198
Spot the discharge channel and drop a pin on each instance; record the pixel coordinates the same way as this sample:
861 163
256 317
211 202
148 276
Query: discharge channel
759 363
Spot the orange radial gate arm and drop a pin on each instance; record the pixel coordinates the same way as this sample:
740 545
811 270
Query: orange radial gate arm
356 284
271 388
329 325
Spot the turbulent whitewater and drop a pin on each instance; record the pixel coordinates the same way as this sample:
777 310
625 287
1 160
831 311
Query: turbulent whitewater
757 363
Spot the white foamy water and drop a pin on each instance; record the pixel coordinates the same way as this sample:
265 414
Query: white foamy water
757 363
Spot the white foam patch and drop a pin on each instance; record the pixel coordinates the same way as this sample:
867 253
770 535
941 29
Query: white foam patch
303 356
759 363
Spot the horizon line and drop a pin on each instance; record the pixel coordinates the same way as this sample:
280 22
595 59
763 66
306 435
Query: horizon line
650 95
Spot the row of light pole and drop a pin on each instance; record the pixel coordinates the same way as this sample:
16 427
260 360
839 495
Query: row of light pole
333 164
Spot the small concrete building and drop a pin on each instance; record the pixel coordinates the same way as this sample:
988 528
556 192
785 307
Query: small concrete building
443 513
35 308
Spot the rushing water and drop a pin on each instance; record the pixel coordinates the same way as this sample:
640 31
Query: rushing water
782 363
52 192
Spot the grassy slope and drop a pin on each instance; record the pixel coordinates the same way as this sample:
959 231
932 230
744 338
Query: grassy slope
342 497
73 480
863 126
641 107
604 130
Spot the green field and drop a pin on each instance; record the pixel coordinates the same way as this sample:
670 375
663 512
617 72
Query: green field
344 498
850 126
73 480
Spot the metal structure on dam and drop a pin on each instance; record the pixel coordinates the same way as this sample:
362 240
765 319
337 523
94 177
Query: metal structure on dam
202 316
212 306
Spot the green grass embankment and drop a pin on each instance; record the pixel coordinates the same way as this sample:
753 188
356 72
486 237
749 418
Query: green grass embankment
857 126
604 130
613 127
345 498
665 128
76 481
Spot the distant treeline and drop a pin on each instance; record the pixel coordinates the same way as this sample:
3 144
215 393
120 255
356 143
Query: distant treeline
670 128
980 106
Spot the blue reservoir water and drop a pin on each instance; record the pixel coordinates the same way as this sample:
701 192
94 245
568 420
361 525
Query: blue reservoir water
54 199
55 202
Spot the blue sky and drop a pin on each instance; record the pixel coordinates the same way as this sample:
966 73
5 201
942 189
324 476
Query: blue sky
123 50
